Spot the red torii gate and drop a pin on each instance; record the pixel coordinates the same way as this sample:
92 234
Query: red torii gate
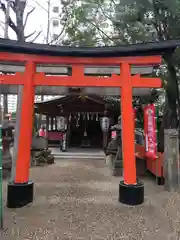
131 192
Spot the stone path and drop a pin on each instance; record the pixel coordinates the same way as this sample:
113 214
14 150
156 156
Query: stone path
79 200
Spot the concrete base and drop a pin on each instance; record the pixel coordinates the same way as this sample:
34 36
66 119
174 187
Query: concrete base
19 195
131 194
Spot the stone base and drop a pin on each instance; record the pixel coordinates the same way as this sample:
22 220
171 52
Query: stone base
109 160
50 160
19 195
117 172
131 194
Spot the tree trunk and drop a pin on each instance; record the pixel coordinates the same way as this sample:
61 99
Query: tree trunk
19 19
6 27
171 114
170 129
171 160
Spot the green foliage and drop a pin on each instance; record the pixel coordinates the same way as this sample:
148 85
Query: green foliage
85 24
112 22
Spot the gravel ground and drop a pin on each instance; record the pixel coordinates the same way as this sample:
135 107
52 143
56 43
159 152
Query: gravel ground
79 200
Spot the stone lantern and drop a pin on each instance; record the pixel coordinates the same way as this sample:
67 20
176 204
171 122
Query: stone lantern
105 124
114 151
62 127
7 138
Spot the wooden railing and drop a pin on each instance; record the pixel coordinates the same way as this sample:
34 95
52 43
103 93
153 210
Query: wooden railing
154 166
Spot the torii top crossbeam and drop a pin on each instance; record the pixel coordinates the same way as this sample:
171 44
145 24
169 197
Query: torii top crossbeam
124 56
146 49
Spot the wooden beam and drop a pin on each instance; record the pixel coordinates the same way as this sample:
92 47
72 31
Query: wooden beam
16 79
144 60
139 82
77 81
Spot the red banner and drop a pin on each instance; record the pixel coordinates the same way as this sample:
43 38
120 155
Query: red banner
150 131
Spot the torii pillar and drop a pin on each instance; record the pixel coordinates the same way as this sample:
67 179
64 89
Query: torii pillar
20 192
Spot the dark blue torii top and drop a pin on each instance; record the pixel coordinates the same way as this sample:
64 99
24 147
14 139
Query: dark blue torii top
143 49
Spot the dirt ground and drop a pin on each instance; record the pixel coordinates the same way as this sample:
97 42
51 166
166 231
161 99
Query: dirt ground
79 200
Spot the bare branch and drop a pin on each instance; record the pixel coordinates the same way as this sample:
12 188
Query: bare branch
48 21
11 23
37 35
100 30
27 16
105 14
30 35
40 6
14 6
59 35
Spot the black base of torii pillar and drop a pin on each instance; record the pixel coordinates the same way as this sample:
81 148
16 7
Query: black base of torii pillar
131 194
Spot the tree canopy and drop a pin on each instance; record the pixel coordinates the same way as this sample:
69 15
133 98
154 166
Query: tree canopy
115 22
111 22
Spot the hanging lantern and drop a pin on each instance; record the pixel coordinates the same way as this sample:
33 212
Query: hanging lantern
54 123
92 116
97 117
85 133
49 128
70 117
105 124
61 123
77 120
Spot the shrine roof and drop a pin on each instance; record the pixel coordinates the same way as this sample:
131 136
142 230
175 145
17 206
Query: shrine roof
149 48
71 98
74 103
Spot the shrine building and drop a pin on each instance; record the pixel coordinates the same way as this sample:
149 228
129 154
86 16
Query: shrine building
83 116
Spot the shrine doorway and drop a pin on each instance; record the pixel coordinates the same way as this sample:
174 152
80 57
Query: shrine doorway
86 133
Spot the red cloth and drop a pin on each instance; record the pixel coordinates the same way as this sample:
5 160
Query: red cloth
55 136
42 133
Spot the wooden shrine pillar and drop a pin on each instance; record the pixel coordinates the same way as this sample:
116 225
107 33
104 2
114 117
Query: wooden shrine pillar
52 122
55 123
20 192
47 123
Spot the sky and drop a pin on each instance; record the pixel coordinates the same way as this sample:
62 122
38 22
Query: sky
36 21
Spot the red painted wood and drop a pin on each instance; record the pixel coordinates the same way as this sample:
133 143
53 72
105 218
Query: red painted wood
17 57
